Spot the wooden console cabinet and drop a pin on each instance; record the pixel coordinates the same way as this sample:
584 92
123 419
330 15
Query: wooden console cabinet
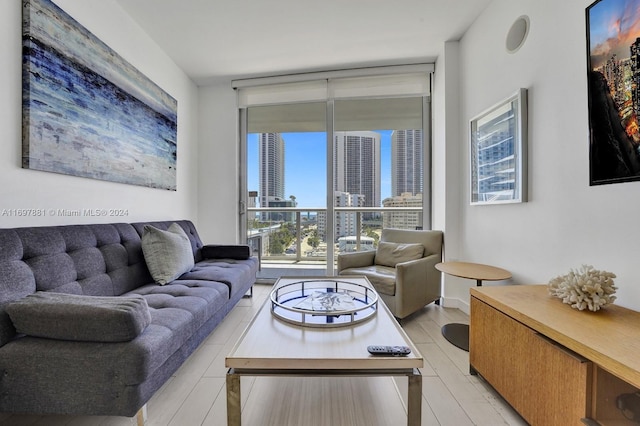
555 365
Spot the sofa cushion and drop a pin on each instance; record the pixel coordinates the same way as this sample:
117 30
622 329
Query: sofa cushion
233 273
390 254
80 318
168 254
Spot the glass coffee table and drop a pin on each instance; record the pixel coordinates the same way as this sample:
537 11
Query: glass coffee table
271 346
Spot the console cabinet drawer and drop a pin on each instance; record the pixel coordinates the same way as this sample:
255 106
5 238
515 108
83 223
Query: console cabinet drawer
546 383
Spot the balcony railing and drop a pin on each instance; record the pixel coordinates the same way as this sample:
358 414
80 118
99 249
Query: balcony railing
301 235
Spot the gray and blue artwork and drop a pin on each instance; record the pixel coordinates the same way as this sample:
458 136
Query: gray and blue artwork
88 112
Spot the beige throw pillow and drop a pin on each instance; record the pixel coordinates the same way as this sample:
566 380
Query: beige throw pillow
168 254
390 254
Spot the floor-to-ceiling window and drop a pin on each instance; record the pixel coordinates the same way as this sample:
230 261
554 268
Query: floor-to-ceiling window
327 164
379 163
286 152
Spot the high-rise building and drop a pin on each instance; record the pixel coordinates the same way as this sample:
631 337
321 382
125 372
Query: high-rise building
613 72
403 220
357 165
496 177
345 222
271 169
407 162
635 75
281 216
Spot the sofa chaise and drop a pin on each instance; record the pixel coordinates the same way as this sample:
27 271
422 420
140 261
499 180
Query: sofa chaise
85 327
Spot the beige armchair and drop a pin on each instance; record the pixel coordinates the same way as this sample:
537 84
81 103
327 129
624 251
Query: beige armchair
402 269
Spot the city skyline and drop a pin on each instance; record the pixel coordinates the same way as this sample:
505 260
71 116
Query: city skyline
614 25
614 40
614 91
306 157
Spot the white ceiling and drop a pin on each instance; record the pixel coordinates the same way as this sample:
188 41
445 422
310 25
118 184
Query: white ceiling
220 39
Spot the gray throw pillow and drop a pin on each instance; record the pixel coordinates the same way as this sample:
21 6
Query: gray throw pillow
80 318
168 254
390 254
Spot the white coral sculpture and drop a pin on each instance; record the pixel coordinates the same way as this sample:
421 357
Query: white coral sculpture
584 288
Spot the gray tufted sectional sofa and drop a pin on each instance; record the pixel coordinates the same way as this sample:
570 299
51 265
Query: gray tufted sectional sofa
101 359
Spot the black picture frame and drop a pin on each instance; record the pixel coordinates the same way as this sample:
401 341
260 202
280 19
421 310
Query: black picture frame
613 74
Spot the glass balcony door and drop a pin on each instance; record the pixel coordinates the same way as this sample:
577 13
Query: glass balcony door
379 154
311 197
286 158
329 159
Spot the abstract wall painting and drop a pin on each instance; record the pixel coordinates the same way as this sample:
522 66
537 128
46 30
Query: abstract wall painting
613 52
88 112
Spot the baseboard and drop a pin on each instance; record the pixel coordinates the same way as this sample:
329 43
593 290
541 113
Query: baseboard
451 302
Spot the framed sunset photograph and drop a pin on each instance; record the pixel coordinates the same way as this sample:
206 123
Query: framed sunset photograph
613 60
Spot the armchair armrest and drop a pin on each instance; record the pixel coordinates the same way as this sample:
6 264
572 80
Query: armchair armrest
419 267
413 269
220 251
419 276
356 259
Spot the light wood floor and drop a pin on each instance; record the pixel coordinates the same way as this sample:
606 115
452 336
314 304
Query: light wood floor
195 395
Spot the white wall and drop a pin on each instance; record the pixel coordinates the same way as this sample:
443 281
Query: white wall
566 223
218 165
447 179
30 189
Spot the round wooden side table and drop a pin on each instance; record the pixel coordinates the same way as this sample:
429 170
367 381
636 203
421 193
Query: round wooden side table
458 334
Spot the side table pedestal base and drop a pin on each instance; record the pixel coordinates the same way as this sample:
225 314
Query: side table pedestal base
457 335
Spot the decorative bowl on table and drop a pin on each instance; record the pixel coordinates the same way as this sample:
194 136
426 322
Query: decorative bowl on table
324 302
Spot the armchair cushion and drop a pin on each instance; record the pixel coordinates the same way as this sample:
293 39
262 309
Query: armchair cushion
382 278
80 318
390 254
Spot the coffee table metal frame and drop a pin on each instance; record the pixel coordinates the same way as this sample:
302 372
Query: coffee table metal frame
317 356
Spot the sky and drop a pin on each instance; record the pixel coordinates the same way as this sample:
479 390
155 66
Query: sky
305 166
613 26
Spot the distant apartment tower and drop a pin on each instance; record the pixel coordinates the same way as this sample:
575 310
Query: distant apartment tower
356 165
407 162
271 169
281 216
403 220
345 222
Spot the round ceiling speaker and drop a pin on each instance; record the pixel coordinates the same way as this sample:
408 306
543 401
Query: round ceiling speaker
517 34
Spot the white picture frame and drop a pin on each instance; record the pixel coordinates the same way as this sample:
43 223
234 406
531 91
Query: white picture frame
498 152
